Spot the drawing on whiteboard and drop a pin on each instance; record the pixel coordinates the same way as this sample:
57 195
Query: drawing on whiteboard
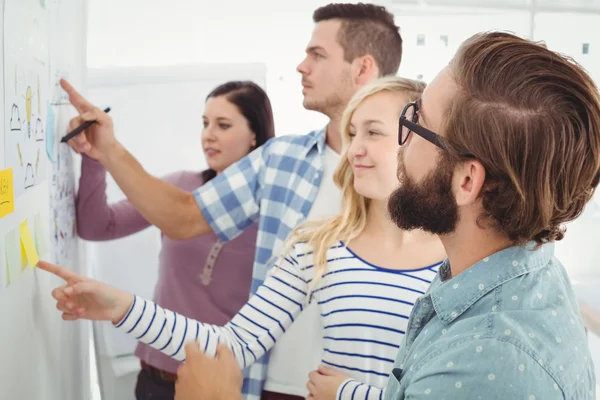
37 162
15 118
39 130
27 130
29 177
59 96
39 99
62 200
26 64
20 156
28 96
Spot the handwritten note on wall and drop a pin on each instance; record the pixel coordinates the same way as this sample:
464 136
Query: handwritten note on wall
7 192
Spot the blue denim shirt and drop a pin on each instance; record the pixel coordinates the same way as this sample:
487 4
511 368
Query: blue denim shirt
509 327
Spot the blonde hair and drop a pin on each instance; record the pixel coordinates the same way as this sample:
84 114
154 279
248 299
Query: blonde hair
321 235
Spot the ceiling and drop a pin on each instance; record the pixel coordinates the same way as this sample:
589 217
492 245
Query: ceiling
531 5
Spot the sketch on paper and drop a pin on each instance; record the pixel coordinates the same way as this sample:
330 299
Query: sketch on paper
15 118
39 130
26 67
59 96
62 200
29 177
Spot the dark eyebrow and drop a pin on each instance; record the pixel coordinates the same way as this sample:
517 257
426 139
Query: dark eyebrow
220 119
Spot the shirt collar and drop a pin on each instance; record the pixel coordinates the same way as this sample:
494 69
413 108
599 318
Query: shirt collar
319 139
452 297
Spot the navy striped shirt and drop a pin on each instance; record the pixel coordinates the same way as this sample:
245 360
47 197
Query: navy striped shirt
365 310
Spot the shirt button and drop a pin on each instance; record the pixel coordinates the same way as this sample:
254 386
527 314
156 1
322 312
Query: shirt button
316 175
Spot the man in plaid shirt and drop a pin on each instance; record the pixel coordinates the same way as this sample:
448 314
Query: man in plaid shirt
279 185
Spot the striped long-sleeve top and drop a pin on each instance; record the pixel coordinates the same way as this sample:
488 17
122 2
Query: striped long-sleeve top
365 310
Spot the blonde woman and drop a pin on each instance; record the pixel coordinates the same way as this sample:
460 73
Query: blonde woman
364 272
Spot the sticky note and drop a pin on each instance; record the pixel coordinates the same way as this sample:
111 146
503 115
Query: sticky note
23 256
7 192
12 256
27 244
50 133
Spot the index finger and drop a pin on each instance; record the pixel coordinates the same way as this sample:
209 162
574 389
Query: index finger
313 375
57 270
78 101
323 370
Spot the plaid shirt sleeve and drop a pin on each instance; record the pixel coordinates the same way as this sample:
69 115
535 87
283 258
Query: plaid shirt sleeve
230 201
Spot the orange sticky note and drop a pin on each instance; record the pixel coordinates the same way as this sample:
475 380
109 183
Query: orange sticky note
7 193
28 246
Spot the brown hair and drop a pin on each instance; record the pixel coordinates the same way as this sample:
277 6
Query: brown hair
532 118
254 104
367 29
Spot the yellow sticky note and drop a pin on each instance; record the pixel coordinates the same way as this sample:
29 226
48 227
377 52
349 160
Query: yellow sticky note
27 243
7 192
23 256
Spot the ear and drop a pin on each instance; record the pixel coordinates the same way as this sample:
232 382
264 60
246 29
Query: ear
469 180
253 141
366 69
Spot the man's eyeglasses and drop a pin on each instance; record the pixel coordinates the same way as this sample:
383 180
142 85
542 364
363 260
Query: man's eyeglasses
409 122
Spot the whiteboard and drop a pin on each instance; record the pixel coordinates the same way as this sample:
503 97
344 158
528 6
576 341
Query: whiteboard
157 114
39 39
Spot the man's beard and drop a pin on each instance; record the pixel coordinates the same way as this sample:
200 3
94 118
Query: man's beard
324 106
428 205
336 101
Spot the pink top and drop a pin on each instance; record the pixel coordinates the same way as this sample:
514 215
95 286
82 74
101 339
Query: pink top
201 278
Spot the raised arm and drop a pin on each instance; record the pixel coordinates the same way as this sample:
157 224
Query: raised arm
172 210
98 220
250 334
218 206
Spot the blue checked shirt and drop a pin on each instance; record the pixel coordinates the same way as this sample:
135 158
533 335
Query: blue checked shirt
509 327
275 185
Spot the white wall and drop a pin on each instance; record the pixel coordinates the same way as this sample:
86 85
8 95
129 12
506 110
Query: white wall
575 30
191 31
